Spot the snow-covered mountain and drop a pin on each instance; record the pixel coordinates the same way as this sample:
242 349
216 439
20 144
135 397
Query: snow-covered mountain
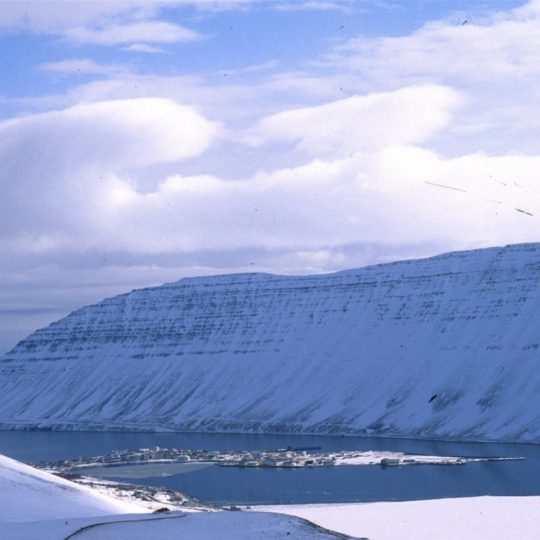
441 347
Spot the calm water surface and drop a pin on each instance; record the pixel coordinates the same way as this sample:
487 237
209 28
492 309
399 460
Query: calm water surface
312 485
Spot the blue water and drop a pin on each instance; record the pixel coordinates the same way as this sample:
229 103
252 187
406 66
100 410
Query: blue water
312 485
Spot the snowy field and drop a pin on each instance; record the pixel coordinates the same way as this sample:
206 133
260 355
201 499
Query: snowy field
192 526
477 518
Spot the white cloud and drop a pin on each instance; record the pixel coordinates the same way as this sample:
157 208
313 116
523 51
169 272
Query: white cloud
107 23
504 45
77 157
83 66
80 191
305 85
55 16
141 32
402 195
368 180
494 60
318 5
405 116
225 100
530 9
144 48
52 16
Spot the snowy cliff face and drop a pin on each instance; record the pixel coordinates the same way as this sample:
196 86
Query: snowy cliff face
442 347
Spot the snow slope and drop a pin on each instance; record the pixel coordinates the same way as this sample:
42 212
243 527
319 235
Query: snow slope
35 505
443 347
27 494
192 526
223 525
478 518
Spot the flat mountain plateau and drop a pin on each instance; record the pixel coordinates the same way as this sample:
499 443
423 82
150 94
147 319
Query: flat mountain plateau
445 347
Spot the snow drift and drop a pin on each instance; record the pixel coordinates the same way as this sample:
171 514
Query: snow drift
443 347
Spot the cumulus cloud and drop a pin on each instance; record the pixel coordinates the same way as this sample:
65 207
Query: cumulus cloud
97 23
406 116
76 157
502 45
398 194
491 59
362 171
80 191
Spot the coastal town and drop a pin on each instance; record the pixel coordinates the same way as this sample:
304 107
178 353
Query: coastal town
277 458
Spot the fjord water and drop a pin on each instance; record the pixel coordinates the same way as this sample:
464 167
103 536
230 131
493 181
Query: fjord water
232 485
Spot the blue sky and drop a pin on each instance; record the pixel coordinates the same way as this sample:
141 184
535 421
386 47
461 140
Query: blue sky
288 33
146 141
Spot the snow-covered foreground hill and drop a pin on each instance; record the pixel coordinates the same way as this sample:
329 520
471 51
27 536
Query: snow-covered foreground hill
476 518
27 494
441 347
36 505
191 526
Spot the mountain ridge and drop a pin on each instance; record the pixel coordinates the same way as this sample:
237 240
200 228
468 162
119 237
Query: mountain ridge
441 347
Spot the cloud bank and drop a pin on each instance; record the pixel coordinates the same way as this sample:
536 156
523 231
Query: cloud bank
371 181
65 171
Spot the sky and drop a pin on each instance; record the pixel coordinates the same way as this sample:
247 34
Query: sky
145 141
